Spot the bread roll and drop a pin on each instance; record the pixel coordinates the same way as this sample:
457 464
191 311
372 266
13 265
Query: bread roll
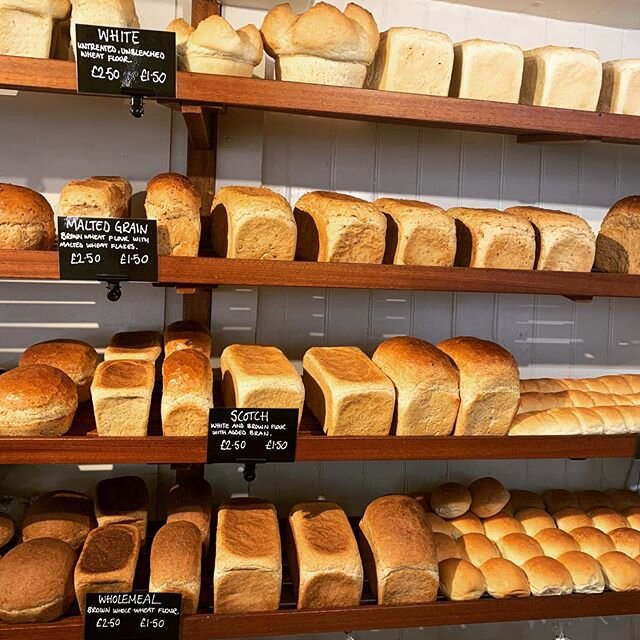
94 198
36 581
123 500
65 515
500 525
571 518
398 551
585 572
487 70
347 392
607 519
335 227
523 499
547 577
556 542
248 563
36 401
477 548
450 500
535 520
106 13
626 540
493 240
519 547
323 45
623 499
460 580
254 376
592 541
26 219
121 393
446 547
438 525
426 385
76 358
108 561
418 233
504 579
619 384
7 529
536 401
187 334
191 501
488 497
633 517
464 524
558 499
175 563
423 498
590 499
618 242
621 573
175 203
254 223
323 557
134 345
619 94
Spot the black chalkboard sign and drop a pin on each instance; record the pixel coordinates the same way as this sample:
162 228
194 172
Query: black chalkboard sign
132 616
113 60
107 249
252 435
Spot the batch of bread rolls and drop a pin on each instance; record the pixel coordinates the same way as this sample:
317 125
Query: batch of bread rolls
327 46
457 542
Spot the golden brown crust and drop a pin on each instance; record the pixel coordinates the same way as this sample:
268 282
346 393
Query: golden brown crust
488 497
134 345
7 529
167 190
555 542
547 577
477 548
187 334
617 242
607 519
460 580
124 374
504 579
500 525
26 219
519 547
571 518
535 520
623 499
523 499
621 573
626 540
446 547
585 572
191 500
557 499
187 371
466 523
450 500
592 541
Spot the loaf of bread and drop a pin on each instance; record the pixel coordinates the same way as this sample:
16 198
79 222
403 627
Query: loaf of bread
248 563
501 525
26 219
619 94
564 241
621 573
607 520
255 376
95 198
36 581
446 547
523 499
398 551
107 563
450 500
622 499
589 499
487 70
592 541
7 529
134 345
464 524
183 31
623 384
426 384
571 518
494 240
626 540
187 334
121 394
65 515
556 542
460 580
477 548
76 358
557 499
323 557
174 203
120 183
563 77
323 45
504 579
347 392
412 60
535 401
106 13
535 520
191 500
519 547
123 500
36 401
618 242
175 563
547 577
187 393
488 497
254 223
418 233
489 392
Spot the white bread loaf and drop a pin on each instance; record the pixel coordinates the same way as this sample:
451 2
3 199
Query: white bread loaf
620 80
335 227
494 240
134 345
323 45
487 70
96 198
106 13
187 334
253 223
26 219
505 579
535 401
183 30
418 233
489 392
618 243
426 385
412 60
564 77
460 580
617 384
191 500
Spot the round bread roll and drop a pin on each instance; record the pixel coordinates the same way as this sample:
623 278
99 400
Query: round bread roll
504 579
547 577
585 572
623 499
438 525
467 523
36 581
76 358
446 547
571 518
633 517
26 219
626 540
450 500
36 401
7 529
535 520
555 542
621 573
519 547
592 541
522 499
460 580
589 499
488 497
501 525
557 499
477 549
607 519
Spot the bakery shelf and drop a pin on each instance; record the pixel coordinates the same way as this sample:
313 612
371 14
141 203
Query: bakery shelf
205 271
347 103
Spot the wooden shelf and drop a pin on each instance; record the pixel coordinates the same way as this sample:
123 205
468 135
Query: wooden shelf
357 104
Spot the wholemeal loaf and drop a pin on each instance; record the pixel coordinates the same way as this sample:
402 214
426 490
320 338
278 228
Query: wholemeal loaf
504 579
26 219
590 499
417 233
450 500
564 242
36 401
466 523
519 547
621 573
187 334
95 198
446 547
123 500
488 497
592 541
607 519
191 500
248 564
134 345
619 94
557 499
106 13
536 401
426 384
556 542
477 548
547 577
7 529
570 518
323 557
618 242
626 540
460 580
323 45
523 499
254 223
398 551
500 525
623 499
617 384
535 520
347 392
585 571
412 60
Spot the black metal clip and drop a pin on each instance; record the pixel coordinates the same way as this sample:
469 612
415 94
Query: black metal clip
114 292
136 106
249 471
